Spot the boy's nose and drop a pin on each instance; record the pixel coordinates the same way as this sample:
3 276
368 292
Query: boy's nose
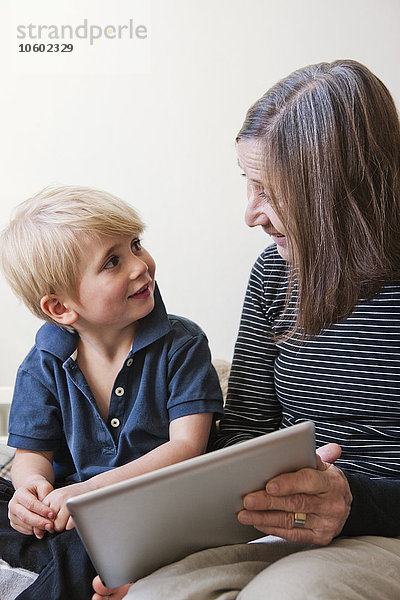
137 267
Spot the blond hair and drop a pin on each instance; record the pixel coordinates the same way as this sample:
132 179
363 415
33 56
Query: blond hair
41 247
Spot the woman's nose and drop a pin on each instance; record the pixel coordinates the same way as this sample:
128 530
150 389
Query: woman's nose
255 213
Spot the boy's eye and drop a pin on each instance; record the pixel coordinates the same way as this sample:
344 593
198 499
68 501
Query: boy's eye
113 262
136 246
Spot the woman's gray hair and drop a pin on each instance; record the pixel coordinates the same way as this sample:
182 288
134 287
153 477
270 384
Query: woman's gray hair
330 135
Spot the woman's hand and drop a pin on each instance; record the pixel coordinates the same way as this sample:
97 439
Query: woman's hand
322 494
26 511
57 500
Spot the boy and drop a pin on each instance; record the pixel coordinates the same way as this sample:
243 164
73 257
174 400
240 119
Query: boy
113 387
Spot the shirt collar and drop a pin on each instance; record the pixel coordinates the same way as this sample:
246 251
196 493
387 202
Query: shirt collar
62 343
154 326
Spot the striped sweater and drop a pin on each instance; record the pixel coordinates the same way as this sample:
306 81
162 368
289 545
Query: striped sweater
346 380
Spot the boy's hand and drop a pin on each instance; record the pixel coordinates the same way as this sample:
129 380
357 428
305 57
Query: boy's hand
57 499
26 511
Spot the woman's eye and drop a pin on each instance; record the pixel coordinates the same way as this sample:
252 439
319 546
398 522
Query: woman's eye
136 246
261 193
113 262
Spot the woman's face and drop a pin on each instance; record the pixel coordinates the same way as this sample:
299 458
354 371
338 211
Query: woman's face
259 211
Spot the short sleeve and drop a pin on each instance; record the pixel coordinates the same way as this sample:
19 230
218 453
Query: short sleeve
192 380
35 420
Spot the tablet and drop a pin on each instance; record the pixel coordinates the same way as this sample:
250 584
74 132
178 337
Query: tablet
133 527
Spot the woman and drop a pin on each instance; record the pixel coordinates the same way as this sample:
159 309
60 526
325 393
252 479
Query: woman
319 339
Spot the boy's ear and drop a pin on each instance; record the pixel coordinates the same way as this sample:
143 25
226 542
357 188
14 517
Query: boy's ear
53 307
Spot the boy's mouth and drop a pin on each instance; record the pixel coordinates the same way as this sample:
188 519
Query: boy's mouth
144 291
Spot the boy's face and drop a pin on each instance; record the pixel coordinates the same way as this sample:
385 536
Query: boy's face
116 286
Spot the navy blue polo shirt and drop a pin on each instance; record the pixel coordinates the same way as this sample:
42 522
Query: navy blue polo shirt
168 374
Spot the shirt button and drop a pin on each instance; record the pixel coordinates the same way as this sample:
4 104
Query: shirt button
119 391
129 362
115 422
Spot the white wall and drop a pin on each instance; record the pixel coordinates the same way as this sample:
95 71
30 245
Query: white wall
165 140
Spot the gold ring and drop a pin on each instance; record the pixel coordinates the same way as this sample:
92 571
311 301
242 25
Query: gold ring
299 519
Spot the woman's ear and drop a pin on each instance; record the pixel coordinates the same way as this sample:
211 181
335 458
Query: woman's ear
54 307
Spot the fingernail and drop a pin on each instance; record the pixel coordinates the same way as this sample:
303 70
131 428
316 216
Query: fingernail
48 527
272 488
244 518
249 502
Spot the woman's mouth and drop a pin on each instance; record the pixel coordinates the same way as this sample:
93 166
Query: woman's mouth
279 239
